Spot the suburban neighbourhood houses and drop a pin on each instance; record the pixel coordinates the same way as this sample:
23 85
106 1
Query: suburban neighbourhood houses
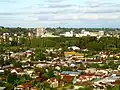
79 77
33 68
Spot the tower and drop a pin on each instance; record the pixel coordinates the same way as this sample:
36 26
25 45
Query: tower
40 32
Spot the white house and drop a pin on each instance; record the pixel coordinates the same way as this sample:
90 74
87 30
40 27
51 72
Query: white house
74 48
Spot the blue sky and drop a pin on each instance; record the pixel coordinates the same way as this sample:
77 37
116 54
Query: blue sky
63 13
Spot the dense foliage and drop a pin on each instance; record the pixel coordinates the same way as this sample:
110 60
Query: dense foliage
104 43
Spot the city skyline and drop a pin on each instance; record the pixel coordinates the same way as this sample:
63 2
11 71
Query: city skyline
63 13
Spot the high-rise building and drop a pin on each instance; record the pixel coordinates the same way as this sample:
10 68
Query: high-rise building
40 32
101 33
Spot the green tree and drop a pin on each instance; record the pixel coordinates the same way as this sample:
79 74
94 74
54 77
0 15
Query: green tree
12 78
95 46
1 60
9 86
49 74
24 78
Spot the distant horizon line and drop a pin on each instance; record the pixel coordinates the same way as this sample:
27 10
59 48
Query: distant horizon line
59 27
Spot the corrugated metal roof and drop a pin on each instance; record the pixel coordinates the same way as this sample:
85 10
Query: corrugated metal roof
70 72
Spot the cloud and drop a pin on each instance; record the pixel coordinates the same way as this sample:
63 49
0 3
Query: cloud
59 11
68 9
65 11
70 18
61 6
100 10
93 6
86 17
54 1
7 1
102 3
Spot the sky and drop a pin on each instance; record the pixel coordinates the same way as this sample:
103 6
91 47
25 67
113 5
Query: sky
60 13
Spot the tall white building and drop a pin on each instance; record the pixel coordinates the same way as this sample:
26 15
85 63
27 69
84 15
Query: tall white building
40 32
101 33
